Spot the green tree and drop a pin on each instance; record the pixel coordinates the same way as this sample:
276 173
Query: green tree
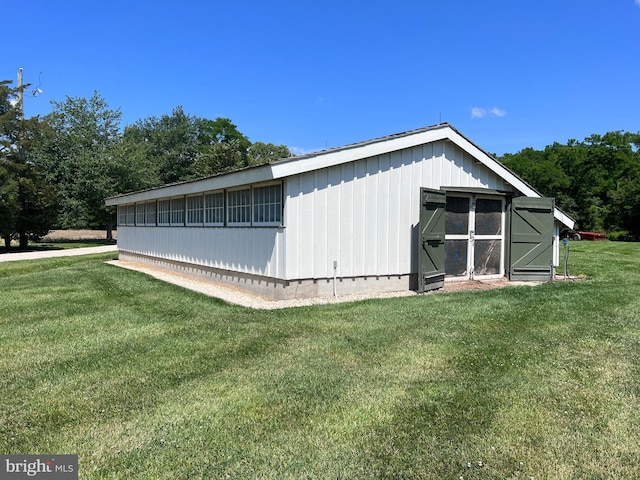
218 158
596 181
86 160
27 201
86 131
9 203
260 152
169 142
221 147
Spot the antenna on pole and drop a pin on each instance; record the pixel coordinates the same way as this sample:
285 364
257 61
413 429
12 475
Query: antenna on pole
20 94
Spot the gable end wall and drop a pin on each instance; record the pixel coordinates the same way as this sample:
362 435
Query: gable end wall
364 214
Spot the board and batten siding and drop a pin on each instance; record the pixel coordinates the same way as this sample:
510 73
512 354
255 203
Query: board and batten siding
255 251
364 214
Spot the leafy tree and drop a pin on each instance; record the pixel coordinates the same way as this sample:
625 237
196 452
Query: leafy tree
90 160
260 153
184 147
218 158
77 159
9 204
170 143
27 202
221 147
221 130
596 181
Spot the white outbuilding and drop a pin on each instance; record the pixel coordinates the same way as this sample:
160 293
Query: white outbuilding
405 211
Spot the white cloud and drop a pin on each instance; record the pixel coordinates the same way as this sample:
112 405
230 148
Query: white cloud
477 112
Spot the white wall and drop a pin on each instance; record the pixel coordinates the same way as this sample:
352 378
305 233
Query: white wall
256 251
364 213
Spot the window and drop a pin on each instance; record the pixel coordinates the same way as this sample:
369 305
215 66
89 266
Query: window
214 208
164 212
150 213
122 214
474 236
267 205
131 214
457 216
194 210
239 207
139 213
177 211
488 216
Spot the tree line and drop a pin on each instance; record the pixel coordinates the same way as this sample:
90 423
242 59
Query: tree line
596 181
56 170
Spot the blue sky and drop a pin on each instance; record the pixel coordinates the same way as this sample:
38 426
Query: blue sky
508 74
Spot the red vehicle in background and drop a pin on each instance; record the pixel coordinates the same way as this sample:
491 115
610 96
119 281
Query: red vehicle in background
585 235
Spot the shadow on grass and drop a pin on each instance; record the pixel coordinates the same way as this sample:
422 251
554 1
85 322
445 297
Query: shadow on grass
53 246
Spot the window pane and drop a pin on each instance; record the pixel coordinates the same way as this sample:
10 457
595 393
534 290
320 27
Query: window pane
131 214
194 210
487 257
239 206
177 210
267 204
140 213
214 211
164 212
150 213
456 262
457 216
488 217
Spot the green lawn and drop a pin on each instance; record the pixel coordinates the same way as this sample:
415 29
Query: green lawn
145 380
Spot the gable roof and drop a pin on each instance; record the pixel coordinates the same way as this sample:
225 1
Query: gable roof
286 167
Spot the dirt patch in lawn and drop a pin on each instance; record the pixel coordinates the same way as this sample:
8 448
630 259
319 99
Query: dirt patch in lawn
458 286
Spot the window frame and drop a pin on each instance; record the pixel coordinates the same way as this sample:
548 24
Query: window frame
122 215
215 211
140 214
150 216
260 205
197 212
244 209
163 212
271 204
178 214
131 214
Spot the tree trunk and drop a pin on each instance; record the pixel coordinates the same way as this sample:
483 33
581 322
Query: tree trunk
24 240
109 231
7 242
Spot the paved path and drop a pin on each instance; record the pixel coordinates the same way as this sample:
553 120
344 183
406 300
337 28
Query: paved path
12 257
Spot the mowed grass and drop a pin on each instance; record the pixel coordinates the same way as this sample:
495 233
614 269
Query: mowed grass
146 380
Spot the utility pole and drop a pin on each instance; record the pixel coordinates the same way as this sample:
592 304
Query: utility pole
20 95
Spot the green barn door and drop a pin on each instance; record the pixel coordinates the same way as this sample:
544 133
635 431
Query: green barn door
431 250
531 239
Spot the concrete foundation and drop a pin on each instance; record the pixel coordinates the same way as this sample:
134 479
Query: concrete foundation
279 289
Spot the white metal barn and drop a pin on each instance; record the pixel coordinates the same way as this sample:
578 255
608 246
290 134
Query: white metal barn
393 213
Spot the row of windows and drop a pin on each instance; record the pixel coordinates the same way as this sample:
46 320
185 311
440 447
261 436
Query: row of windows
248 206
